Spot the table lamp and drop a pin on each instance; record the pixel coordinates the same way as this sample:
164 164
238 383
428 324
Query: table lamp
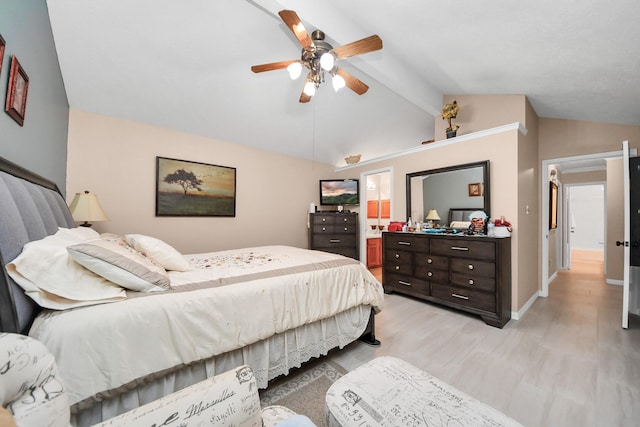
433 217
85 207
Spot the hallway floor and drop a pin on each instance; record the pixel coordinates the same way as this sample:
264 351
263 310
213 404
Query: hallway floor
566 362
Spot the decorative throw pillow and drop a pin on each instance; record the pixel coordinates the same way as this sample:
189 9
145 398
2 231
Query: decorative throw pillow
53 280
160 252
112 258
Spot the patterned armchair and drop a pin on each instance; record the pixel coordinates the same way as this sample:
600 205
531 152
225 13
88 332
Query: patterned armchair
33 394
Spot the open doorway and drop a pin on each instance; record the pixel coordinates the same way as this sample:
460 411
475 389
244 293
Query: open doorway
585 234
567 170
375 213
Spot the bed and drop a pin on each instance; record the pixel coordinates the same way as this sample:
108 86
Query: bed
135 346
458 218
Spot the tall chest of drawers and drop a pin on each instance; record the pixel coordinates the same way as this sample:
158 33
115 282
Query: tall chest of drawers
469 273
334 232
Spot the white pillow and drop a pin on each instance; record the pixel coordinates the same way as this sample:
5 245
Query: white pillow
160 252
111 257
53 280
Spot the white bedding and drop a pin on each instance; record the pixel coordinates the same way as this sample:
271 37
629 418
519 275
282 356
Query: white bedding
104 347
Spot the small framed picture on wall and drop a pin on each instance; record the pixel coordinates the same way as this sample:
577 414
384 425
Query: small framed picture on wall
475 189
2 46
18 88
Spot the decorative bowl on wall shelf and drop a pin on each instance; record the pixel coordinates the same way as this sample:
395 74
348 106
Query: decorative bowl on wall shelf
351 160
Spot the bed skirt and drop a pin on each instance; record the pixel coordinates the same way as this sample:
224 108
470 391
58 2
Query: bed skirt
268 358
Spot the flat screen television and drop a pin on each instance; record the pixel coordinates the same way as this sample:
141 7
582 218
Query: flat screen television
339 192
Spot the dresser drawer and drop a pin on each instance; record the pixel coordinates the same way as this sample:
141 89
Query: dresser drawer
337 219
470 248
410 285
333 240
400 262
333 228
473 267
432 261
405 241
344 251
434 275
465 297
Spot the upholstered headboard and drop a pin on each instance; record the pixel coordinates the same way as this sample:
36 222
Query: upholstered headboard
31 208
460 214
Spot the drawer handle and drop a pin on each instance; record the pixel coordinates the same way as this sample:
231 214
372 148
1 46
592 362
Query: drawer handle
405 243
397 256
429 274
334 241
471 281
345 219
346 229
470 267
459 248
324 219
397 267
429 260
459 296
404 283
324 228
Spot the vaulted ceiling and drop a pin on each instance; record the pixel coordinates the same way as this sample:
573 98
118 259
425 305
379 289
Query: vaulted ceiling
185 65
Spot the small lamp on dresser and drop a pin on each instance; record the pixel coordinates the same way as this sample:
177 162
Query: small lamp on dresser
432 217
85 207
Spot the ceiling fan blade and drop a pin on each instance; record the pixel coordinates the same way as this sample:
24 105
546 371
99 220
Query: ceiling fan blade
272 66
368 44
304 97
353 83
295 25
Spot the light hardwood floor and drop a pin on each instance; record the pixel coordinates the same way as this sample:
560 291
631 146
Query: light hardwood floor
567 362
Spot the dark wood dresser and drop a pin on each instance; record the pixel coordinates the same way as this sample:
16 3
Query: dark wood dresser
470 273
334 232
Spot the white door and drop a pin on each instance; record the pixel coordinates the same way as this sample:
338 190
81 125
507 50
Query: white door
627 235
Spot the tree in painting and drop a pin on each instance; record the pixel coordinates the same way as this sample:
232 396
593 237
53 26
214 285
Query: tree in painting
186 179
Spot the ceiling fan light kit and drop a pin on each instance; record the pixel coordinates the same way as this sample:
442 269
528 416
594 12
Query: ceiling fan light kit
319 57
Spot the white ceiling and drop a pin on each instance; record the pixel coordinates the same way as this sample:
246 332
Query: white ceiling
185 65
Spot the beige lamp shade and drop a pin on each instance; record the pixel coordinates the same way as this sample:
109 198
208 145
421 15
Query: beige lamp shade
85 207
433 215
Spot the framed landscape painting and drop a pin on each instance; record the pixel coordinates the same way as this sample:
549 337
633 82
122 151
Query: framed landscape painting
185 188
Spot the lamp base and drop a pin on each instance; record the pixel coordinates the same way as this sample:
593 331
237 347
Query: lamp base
85 224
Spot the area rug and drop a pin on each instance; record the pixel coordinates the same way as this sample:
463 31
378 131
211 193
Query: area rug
304 389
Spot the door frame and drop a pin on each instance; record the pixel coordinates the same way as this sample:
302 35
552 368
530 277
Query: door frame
544 218
363 207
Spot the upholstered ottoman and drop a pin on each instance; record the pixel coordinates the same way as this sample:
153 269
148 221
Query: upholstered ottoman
391 392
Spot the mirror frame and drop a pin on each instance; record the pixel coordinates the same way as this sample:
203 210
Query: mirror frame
486 194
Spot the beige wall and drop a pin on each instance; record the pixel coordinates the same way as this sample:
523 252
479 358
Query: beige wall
502 152
481 112
528 214
116 159
583 177
566 138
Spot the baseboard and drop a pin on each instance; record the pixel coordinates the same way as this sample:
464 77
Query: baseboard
552 277
517 315
614 282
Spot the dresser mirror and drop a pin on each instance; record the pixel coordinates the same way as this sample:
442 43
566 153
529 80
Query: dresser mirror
460 188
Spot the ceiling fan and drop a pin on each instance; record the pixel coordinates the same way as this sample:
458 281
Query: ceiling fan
319 57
